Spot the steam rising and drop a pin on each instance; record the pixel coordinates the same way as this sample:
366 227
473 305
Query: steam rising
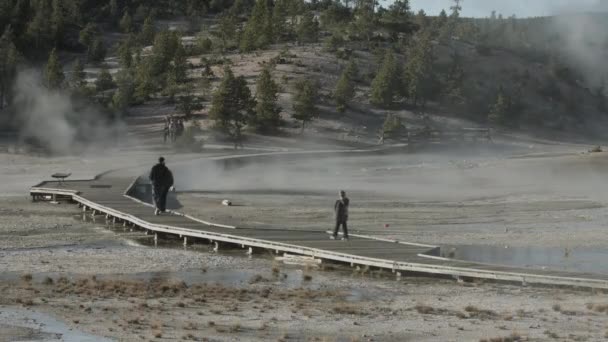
583 44
55 122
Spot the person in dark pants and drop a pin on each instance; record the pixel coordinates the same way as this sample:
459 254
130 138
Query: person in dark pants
341 211
162 180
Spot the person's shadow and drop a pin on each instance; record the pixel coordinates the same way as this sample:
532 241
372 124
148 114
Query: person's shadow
142 190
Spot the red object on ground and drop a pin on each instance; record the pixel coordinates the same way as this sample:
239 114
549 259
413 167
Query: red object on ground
386 225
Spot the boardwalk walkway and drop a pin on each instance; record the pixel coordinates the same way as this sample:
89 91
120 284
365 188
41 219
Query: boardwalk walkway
107 196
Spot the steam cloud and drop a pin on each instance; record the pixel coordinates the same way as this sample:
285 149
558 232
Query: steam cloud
583 38
55 122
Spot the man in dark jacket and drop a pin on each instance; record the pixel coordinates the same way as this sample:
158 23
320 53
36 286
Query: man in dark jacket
162 180
341 211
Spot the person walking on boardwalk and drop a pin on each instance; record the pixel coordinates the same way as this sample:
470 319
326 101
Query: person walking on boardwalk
162 180
341 212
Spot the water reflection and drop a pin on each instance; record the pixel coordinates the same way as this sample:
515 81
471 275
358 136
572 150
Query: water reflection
584 260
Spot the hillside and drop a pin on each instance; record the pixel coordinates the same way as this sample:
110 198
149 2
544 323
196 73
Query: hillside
346 73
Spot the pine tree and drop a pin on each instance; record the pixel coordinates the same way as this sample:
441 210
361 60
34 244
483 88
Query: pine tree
258 32
189 102
397 19
104 81
500 110
78 75
126 23
365 21
227 29
58 20
308 29
453 83
113 9
419 74
422 20
163 52
124 96
267 112
97 50
54 75
148 31
88 34
386 84
125 52
232 106
144 80
392 127
304 106
205 85
180 64
39 29
279 19
9 58
345 88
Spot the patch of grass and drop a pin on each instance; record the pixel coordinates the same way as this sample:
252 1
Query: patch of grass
514 337
551 334
475 312
601 308
556 307
48 281
235 328
27 278
211 323
258 278
346 309
158 334
307 277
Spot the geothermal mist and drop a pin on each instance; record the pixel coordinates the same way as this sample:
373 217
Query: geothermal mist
59 125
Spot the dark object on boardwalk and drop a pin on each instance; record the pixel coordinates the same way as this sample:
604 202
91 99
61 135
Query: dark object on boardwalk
162 180
61 177
341 211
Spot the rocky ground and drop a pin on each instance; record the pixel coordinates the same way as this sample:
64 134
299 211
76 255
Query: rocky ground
95 284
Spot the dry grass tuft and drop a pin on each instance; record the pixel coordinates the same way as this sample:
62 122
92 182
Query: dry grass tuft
27 278
514 337
211 323
601 308
557 307
258 278
307 277
475 312
551 334
48 281
158 334
428 310
346 309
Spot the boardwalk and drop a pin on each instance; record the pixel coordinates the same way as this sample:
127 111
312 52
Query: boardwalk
108 198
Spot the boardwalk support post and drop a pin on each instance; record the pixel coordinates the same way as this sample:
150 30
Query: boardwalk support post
217 247
249 251
155 239
185 241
